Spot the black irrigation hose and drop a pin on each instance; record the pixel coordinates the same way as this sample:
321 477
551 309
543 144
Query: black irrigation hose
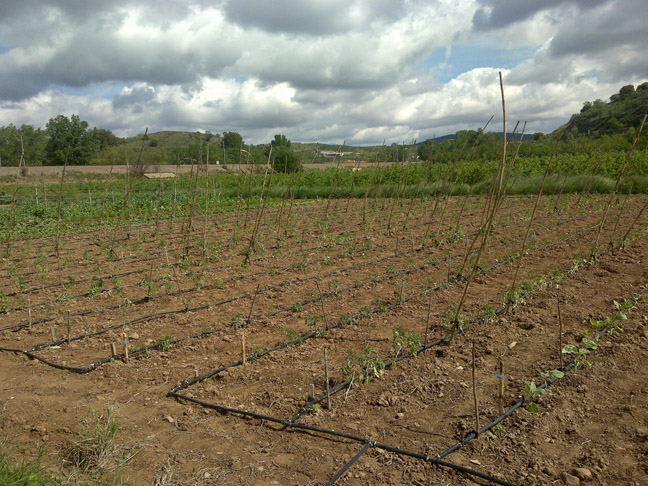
142 350
574 363
171 238
368 444
234 279
144 270
348 465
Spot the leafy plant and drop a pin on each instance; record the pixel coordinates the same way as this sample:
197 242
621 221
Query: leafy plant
256 353
381 305
533 390
238 321
363 367
292 335
96 286
580 351
487 314
165 342
553 374
405 339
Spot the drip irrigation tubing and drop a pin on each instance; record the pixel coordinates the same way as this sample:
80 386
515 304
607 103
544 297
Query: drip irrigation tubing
144 349
178 237
437 459
180 292
265 289
573 364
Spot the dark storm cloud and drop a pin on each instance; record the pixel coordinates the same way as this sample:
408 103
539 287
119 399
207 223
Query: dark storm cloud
138 96
322 70
312 18
608 29
496 14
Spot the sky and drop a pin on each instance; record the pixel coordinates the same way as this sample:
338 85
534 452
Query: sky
359 71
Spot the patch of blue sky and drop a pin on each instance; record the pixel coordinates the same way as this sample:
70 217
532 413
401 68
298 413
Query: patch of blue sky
106 91
446 64
4 49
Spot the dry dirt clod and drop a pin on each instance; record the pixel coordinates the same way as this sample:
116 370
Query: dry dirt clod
570 480
582 473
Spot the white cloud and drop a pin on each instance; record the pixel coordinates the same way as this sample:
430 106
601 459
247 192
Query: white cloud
324 70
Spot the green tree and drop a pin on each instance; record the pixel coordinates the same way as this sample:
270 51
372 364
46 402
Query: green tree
280 141
232 140
427 150
285 160
69 136
14 140
105 138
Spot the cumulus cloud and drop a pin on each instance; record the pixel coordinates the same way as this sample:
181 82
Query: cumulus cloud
324 70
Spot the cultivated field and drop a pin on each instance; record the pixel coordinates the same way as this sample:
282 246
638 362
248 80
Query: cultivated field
456 333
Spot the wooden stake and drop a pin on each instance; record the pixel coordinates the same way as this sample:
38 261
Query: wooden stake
311 391
560 335
113 350
427 323
53 333
29 311
475 389
322 300
402 290
243 349
252 306
500 388
125 348
326 375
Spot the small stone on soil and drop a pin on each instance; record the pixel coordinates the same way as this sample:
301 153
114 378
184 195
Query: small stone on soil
582 473
570 480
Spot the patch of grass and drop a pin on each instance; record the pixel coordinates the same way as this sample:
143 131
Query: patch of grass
95 448
25 472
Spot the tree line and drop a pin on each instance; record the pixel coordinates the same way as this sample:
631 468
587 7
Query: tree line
599 126
72 141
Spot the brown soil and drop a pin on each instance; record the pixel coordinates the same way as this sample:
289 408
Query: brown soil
594 418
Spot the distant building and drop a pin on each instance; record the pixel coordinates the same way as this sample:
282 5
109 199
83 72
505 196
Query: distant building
332 153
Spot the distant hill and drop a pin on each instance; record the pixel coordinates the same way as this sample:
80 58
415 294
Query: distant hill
623 111
509 136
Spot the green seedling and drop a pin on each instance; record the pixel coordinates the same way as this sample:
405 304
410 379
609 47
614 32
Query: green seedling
381 305
292 335
165 342
238 321
553 374
405 339
580 351
532 390
363 367
96 286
